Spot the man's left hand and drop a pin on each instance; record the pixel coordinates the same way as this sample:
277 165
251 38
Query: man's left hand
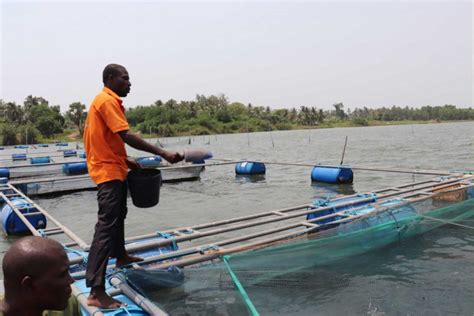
132 164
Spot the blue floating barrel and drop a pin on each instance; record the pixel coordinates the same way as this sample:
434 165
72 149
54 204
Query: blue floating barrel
18 156
62 144
43 145
20 146
249 168
332 174
69 153
3 180
81 155
4 173
12 224
37 160
149 162
75 168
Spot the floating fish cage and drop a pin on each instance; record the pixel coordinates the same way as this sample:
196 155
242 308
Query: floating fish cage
20 146
332 174
280 241
250 168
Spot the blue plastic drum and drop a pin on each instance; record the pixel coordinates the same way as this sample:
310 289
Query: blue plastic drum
18 156
75 168
12 224
37 160
4 173
69 153
149 162
249 168
332 174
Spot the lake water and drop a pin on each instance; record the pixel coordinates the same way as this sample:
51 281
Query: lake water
432 274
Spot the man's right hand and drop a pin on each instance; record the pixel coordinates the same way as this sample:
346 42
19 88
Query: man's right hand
172 156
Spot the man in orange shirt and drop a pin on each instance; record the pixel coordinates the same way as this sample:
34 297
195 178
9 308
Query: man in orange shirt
105 134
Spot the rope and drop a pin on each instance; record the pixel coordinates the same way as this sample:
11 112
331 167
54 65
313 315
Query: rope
115 311
82 254
448 222
241 289
42 233
170 237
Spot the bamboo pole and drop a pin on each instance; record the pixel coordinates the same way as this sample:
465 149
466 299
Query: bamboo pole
221 222
195 235
193 250
138 299
289 209
343 151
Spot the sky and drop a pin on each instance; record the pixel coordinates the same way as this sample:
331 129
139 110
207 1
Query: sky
278 54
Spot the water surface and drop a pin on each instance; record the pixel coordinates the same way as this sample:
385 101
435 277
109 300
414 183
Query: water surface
432 274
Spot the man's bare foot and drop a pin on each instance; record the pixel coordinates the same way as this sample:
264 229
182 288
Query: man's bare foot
127 259
99 298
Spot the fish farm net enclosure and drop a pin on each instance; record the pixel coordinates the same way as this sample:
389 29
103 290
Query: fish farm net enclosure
270 280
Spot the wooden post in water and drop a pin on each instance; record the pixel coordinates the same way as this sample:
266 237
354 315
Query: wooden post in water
344 151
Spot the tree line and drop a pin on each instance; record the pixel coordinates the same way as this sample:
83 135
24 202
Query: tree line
37 121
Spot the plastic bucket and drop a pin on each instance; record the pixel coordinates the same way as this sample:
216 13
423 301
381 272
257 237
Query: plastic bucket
144 185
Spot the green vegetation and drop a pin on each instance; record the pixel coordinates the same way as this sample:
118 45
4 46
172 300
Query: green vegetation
215 115
36 121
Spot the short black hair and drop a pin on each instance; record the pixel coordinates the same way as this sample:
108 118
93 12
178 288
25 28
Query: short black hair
111 69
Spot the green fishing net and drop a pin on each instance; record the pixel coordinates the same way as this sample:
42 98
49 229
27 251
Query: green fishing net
273 280
296 265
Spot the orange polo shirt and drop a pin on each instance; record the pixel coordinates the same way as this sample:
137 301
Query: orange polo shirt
105 149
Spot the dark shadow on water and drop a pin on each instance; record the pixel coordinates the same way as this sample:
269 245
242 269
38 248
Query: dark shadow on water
327 190
254 178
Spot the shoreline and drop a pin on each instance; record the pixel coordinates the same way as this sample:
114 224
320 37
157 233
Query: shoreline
66 137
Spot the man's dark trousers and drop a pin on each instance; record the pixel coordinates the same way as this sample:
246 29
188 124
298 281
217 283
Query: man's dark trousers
109 231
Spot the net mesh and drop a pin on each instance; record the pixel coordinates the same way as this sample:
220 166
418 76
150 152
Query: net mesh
275 279
295 264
